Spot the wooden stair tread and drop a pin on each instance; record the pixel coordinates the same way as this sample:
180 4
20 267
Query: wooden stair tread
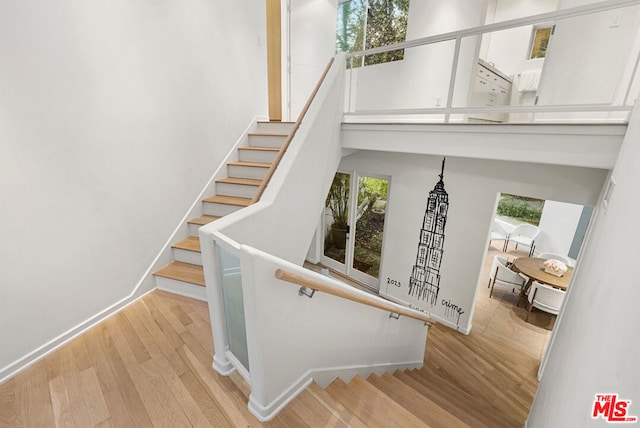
327 400
370 405
185 272
260 148
384 405
238 180
254 164
455 400
419 405
313 412
203 219
228 200
192 243
353 403
269 134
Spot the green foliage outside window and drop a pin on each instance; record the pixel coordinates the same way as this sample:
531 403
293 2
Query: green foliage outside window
367 24
521 208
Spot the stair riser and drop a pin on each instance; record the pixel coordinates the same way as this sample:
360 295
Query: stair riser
247 171
182 288
257 155
239 190
186 256
266 140
219 209
275 127
194 228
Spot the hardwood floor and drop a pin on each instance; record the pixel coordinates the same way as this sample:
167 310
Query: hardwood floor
150 365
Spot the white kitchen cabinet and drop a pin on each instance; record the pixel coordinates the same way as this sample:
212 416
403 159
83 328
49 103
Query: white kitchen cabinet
491 88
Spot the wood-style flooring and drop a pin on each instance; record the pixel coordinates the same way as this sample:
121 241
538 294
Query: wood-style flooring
150 365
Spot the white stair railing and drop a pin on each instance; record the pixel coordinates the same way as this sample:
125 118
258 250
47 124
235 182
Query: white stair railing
290 340
576 85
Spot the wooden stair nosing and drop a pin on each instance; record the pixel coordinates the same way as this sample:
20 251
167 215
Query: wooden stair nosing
203 219
185 272
260 148
241 181
228 200
268 134
191 243
250 164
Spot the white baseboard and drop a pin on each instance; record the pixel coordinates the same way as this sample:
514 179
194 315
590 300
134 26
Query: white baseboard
444 321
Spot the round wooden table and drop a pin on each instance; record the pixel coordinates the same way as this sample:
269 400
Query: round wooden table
533 267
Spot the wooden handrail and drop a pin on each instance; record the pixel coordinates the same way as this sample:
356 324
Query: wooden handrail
296 125
365 299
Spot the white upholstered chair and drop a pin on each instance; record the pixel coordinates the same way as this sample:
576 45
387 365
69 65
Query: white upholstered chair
499 233
524 234
501 274
545 298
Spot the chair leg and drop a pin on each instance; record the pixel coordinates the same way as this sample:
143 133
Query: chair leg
495 275
531 305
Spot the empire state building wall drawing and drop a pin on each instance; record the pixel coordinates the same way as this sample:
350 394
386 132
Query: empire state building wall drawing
425 277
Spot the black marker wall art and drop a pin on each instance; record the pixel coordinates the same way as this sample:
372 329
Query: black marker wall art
425 277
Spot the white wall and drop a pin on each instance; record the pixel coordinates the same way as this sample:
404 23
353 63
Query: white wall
594 349
421 80
113 116
558 225
588 56
509 49
472 186
293 339
312 42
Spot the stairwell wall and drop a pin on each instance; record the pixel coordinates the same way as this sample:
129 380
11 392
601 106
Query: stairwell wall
113 115
472 186
594 346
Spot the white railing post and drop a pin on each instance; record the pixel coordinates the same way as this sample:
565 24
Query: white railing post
452 78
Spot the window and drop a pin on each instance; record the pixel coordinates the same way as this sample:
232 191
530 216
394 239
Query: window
539 42
367 24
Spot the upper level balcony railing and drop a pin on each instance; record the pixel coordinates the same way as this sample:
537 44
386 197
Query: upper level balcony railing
576 65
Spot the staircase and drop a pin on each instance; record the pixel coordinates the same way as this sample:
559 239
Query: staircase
185 275
488 390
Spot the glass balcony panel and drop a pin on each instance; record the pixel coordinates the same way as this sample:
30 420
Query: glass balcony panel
231 280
